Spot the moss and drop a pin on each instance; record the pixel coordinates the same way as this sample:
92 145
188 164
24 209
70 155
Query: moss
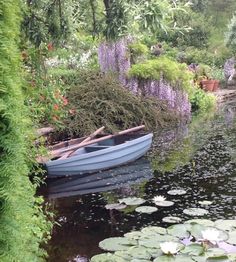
100 100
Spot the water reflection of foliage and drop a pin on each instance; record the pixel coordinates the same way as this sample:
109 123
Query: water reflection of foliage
134 190
180 152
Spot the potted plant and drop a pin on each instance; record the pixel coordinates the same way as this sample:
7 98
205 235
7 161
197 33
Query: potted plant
203 76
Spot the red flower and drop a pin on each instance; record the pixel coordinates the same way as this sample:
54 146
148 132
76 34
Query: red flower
50 47
56 107
65 101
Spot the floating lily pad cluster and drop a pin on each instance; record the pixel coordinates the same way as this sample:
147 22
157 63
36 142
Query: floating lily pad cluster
196 240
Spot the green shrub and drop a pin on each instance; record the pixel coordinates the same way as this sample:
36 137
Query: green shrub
202 101
22 224
138 49
100 100
204 56
175 73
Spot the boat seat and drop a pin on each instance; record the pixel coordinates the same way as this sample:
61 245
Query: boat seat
95 148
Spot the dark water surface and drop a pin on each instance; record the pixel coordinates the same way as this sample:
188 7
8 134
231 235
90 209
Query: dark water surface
199 157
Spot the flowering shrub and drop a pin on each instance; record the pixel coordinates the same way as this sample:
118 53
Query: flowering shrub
48 102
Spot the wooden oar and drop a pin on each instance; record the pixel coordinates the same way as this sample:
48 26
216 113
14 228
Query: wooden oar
57 153
88 138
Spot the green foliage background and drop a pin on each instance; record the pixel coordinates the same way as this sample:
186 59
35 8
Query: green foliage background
22 224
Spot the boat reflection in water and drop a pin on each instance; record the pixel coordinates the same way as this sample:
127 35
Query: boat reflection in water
133 173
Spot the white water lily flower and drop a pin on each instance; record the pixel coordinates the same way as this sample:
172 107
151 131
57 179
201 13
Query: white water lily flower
211 235
169 248
159 199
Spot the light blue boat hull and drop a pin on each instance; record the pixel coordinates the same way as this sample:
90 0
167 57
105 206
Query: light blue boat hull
111 156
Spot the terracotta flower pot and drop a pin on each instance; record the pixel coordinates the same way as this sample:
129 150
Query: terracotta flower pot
216 85
208 85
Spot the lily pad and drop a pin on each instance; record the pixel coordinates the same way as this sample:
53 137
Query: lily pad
117 243
107 257
146 209
228 224
218 259
132 201
164 203
133 235
178 258
195 211
153 230
176 192
139 253
123 254
205 202
154 241
193 250
215 252
164 259
179 230
172 220
232 238
204 222
116 206
196 231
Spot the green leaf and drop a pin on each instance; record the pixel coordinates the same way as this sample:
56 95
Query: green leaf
132 201
153 230
146 209
204 222
232 238
117 243
107 257
193 250
180 231
195 211
228 224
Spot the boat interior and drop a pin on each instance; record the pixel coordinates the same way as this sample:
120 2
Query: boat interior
107 143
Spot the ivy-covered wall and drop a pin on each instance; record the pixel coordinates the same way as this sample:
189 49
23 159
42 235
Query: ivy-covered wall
22 224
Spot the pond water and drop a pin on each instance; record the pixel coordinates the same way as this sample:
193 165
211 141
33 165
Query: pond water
199 157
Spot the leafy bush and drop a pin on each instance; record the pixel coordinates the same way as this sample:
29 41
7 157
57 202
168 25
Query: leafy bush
138 49
203 56
22 224
100 100
175 73
202 101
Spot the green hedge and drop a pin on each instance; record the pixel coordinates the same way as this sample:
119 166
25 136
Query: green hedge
22 224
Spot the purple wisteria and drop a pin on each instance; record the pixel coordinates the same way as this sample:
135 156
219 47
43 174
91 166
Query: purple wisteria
115 57
176 99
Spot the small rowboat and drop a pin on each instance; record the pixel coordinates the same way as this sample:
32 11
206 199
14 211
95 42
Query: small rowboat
99 154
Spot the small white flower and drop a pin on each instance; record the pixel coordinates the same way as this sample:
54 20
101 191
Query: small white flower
211 235
159 199
169 248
